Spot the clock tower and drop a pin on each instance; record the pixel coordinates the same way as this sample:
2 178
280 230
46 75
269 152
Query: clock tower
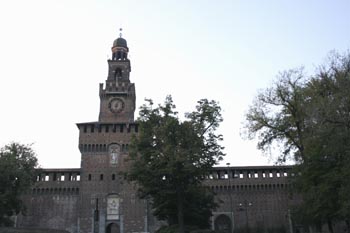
108 203
117 97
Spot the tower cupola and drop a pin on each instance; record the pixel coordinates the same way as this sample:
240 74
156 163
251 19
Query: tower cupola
120 48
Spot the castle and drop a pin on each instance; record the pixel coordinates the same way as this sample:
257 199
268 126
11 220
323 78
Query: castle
96 199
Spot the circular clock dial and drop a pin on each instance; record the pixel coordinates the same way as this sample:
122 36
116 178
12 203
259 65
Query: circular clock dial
116 105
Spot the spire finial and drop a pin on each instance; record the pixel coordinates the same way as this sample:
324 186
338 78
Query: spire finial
120 32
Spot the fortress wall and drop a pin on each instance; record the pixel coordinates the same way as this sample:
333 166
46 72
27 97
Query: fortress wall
52 202
257 196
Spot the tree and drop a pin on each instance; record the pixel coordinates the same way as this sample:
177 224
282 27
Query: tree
170 158
328 143
278 116
308 117
17 174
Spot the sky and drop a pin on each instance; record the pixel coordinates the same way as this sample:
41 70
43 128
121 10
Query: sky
53 55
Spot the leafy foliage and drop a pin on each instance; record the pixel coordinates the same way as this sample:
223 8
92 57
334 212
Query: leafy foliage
277 116
17 169
311 117
170 158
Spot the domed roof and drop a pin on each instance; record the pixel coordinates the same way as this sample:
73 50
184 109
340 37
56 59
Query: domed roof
120 42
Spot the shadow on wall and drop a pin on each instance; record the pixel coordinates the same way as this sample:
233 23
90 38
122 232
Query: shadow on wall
30 230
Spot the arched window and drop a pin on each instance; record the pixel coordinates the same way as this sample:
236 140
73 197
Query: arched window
118 73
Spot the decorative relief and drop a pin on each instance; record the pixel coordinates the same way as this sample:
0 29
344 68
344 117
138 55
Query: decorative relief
113 207
114 152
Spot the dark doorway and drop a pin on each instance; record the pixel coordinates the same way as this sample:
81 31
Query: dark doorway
223 224
112 228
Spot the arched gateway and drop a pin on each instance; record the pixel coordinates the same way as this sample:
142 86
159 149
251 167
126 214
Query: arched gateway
113 228
222 223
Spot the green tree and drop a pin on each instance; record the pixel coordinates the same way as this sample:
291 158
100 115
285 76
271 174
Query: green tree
170 158
17 173
309 118
277 116
328 143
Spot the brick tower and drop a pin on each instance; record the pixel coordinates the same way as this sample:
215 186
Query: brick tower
107 202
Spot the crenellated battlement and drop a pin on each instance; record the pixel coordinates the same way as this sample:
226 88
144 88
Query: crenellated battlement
58 175
95 148
249 178
97 128
55 191
57 182
250 172
117 88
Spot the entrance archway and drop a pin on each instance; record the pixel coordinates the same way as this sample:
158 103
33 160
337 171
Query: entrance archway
222 224
113 228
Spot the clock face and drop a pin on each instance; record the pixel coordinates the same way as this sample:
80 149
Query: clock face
116 105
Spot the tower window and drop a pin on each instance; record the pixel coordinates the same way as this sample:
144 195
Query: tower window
107 128
113 176
89 177
118 73
101 177
121 128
